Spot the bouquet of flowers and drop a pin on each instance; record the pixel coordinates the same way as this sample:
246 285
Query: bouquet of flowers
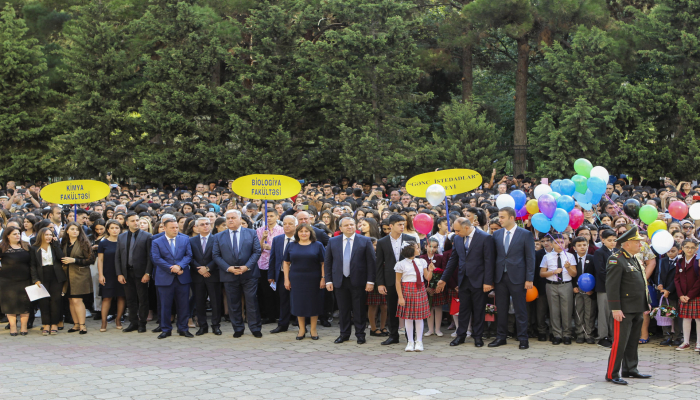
491 309
664 311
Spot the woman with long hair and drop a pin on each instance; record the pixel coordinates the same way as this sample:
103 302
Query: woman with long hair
109 285
368 227
45 260
78 257
28 224
329 220
15 275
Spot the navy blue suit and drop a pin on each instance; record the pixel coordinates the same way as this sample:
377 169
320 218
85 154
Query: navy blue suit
172 286
276 272
476 267
203 287
350 290
246 284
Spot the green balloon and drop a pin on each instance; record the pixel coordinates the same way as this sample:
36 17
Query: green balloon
581 183
583 167
555 195
648 214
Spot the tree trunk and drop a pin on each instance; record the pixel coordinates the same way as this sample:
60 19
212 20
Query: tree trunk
467 70
520 133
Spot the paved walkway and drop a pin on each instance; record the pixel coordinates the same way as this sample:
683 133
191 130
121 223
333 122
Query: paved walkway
138 366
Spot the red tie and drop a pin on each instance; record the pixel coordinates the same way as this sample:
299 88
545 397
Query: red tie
419 284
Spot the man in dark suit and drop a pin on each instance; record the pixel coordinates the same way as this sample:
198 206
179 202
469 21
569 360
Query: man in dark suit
205 278
666 285
515 272
600 261
133 265
388 254
350 269
473 254
276 272
172 255
236 253
584 301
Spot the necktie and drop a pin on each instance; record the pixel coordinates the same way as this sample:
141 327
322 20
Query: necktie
131 249
204 244
418 278
234 245
286 242
559 275
466 243
172 246
507 243
346 258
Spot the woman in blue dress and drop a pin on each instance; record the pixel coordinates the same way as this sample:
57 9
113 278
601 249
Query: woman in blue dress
303 271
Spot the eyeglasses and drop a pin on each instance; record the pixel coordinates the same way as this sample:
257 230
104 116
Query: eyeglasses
689 247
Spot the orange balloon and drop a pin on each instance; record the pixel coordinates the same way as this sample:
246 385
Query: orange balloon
531 294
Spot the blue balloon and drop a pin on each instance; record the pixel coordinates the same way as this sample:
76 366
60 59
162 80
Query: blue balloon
595 198
586 206
596 185
520 199
560 220
581 198
588 196
541 222
566 203
568 187
586 282
556 186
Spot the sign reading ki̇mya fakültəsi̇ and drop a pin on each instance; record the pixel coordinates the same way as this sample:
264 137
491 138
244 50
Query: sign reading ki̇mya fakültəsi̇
75 192
455 181
266 187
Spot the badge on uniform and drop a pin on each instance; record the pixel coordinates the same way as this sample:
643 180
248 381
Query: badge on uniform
680 270
612 261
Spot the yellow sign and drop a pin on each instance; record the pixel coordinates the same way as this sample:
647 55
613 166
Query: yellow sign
266 187
455 181
75 192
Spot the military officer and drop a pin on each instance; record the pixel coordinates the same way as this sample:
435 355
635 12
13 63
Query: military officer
628 299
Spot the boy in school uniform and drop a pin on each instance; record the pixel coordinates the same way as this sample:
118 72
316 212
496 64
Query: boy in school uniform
600 260
559 268
584 301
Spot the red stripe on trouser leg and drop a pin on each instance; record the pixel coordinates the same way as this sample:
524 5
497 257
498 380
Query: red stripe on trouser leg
613 350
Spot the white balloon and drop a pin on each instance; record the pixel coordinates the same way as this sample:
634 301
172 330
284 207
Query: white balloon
542 189
601 173
505 200
694 211
662 241
435 194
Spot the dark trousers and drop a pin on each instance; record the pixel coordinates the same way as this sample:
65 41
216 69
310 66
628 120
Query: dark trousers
137 298
234 290
505 290
285 306
267 299
203 288
180 293
51 306
625 342
352 304
328 306
392 303
472 304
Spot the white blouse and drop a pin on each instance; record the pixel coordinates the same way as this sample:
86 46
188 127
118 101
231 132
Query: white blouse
46 256
405 267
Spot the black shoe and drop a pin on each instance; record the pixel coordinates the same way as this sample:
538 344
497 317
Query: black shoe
478 342
666 342
164 335
341 339
266 321
458 340
71 330
301 337
142 329
132 327
325 323
202 330
295 322
677 342
567 340
359 340
186 334
390 340
279 329
30 325
96 316
636 375
237 334
27 333
510 335
7 326
580 340
590 340
556 341
257 334
498 342
605 343
617 381
542 338
227 318
158 329
216 330
524 345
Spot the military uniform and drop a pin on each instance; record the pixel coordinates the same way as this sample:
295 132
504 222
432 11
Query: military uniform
627 291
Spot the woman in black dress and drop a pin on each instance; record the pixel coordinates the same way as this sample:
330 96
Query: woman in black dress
110 287
78 257
45 257
303 272
15 275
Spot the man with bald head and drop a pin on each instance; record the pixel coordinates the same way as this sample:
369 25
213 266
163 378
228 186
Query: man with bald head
304 218
276 274
474 258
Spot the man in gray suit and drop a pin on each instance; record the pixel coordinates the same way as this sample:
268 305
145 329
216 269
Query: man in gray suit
515 272
133 264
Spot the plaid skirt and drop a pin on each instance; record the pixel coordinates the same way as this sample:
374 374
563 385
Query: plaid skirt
375 299
416 307
690 309
452 294
438 299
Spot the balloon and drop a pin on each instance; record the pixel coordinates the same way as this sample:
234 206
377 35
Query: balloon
566 203
435 194
602 173
631 208
568 187
532 207
423 223
658 225
519 197
648 214
555 195
522 213
575 218
596 185
678 210
531 294
695 211
586 206
595 197
583 167
505 200
560 220
542 189
540 222
586 282
581 183
556 186
580 197
547 205
662 242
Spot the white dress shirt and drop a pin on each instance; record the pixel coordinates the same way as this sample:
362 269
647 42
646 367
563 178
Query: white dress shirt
549 261
46 256
396 246
512 233
238 237
284 244
351 239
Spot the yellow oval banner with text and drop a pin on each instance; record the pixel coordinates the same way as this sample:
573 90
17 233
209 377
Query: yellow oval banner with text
455 181
75 192
266 187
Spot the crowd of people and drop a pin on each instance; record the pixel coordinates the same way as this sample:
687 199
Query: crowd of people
347 250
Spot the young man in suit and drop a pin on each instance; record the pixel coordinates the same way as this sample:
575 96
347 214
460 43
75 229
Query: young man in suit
667 287
350 268
600 261
388 254
172 255
584 301
205 278
514 274
276 272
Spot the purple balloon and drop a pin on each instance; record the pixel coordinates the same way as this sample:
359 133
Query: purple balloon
547 205
521 213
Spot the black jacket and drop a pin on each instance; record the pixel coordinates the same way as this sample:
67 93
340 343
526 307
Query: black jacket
665 276
588 268
600 260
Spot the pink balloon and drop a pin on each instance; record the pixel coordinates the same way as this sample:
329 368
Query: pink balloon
678 209
575 218
423 223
